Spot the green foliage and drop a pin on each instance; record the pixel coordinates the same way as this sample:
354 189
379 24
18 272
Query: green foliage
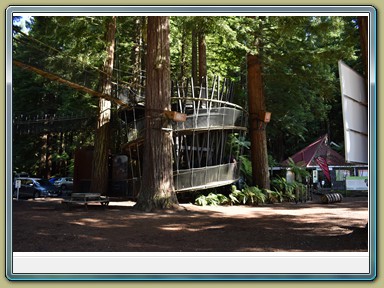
272 161
279 183
211 199
236 144
253 196
235 195
300 74
246 168
201 201
299 58
233 199
273 196
287 190
289 195
298 169
250 195
300 191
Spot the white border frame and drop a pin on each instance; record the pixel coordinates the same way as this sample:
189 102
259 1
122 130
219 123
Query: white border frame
21 273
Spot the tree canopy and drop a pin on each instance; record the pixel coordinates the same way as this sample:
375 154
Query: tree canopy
299 57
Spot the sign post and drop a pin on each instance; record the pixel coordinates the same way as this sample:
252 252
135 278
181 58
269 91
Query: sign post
17 186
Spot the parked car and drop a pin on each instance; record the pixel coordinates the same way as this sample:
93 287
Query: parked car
53 179
21 174
35 187
64 183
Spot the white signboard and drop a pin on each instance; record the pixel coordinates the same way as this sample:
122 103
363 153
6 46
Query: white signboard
17 183
356 183
315 176
355 114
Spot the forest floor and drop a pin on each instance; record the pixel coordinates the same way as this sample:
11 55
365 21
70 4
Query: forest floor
46 225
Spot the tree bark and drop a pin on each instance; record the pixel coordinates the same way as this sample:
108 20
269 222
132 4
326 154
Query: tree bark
157 189
44 154
363 30
202 58
183 59
137 56
99 182
259 155
194 57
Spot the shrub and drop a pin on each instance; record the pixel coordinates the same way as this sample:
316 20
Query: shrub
289 196
211 199
233 196
273 196
201 200
280 184
300 192
253 195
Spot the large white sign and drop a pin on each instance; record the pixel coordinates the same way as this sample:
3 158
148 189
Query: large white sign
355 114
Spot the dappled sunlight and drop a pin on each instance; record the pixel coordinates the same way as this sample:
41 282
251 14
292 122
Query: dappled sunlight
38 217
86 221
91 238
326 231
172 228
191 228
98 223
316 230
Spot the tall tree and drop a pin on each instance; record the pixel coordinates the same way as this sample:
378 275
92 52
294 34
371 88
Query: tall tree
363 30
99 181
300 78
157 191
202 57
259 154
194 57
137 54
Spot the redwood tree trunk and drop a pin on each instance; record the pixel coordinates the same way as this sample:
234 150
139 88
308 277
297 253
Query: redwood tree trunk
99 181
157 190
194 57
44 155
259 155
183 56
363 29
202 58
137 56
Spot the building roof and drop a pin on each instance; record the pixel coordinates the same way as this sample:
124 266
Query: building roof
306 157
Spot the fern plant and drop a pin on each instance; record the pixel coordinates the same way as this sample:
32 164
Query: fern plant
246 168
211 199
222 199
287 190
233 196
253 195
201 200
279 184
289 196
273 196
298 169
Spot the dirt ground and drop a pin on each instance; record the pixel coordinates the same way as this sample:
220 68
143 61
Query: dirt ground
46 225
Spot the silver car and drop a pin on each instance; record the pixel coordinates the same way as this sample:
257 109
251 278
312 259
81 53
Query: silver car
64 183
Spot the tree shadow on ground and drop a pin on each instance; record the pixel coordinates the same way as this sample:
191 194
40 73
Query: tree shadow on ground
47 226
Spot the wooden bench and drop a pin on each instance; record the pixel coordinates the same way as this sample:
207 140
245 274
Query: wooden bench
86 198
